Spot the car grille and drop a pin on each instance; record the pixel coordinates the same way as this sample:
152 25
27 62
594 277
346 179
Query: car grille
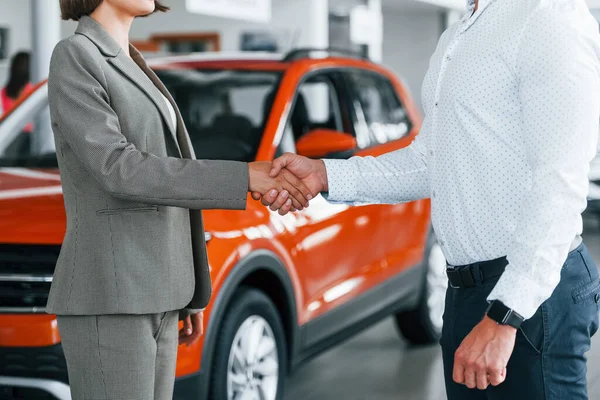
34 362
25 277
19 393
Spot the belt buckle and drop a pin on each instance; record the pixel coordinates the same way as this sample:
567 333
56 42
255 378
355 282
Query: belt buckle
452 271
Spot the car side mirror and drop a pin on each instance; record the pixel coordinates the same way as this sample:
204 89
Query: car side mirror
324 142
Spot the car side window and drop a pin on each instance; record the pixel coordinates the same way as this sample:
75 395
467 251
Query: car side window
381 117
319 104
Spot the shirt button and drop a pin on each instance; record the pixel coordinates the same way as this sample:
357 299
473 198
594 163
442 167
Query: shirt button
430 152
448 58
442 243
433 194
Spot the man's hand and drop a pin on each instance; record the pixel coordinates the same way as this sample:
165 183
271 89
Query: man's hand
483 355
193 328
262 181
312 173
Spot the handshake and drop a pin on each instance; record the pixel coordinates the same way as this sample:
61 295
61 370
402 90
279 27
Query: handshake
288 183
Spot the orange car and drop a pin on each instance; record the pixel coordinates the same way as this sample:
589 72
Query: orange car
285 288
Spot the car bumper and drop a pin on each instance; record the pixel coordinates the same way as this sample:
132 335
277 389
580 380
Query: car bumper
186 388
41 373
11 387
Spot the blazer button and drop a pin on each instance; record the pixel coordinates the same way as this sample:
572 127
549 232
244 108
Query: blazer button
597 297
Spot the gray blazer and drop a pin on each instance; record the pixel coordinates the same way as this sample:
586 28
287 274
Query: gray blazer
132 245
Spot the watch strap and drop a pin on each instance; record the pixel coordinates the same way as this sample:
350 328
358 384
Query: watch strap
503 315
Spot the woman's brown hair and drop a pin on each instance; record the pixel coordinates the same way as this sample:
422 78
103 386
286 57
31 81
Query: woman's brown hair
75 9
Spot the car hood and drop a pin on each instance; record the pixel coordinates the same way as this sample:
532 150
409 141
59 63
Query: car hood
31 206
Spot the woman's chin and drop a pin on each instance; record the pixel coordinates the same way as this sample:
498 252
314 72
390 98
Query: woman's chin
146 7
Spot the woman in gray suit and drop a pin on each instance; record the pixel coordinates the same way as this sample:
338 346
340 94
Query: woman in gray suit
133 258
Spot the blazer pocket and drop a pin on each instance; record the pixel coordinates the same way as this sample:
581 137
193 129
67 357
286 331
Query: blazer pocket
587 292
114 211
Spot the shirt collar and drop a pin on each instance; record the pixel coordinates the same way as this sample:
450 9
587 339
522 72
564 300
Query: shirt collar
482 5
470 5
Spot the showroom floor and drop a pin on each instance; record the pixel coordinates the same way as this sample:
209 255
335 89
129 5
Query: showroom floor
378 365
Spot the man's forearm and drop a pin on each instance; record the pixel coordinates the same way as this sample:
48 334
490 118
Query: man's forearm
395 177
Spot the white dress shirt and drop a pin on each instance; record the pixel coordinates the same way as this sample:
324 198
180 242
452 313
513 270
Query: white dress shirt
512 109
171 112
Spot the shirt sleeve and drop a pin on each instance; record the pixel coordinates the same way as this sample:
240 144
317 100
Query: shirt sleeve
559 78
395 177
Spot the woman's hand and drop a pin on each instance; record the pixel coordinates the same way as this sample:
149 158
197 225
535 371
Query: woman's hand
193 328
311 172
261 182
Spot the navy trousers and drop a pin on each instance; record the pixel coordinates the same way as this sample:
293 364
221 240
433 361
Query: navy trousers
548 362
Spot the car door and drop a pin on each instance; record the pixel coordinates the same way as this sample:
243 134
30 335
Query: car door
383 124
333 244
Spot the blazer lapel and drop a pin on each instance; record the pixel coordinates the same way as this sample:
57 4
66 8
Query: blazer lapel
187 150
134 68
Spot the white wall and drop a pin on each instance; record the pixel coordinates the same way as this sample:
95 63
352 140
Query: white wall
290 18
15 15
409 40
409 36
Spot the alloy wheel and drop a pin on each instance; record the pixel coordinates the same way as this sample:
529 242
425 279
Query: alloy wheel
253 366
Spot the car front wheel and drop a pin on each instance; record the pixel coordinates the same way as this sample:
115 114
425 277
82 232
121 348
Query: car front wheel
250 355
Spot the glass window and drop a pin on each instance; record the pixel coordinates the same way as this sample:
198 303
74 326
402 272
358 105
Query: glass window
31 144
316 107
379 108
225 111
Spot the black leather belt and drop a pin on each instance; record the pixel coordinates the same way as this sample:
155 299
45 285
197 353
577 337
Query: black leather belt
469 275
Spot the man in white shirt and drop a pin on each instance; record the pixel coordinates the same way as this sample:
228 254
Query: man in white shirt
512 108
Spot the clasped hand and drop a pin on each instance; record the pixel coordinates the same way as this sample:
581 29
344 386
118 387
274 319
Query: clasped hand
288 183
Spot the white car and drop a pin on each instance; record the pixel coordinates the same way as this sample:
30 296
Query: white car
594 193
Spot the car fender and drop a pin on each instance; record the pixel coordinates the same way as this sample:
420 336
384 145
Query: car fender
257 260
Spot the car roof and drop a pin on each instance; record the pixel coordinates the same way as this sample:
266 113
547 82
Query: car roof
251 60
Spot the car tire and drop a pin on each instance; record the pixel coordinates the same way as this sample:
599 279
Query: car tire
423 325
250 352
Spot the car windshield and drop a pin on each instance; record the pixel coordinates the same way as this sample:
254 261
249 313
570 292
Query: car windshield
225 112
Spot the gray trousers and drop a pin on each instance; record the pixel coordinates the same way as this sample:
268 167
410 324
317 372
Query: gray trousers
120 357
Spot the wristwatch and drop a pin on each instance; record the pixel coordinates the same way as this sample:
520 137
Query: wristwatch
504 315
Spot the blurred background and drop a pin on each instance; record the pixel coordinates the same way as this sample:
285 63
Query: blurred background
335 316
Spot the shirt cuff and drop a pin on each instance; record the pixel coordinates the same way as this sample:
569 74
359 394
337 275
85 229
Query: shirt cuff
342 178
517 292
